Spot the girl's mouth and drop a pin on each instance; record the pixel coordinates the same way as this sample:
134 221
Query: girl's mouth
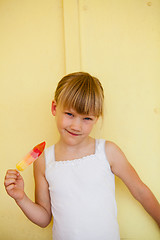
73 134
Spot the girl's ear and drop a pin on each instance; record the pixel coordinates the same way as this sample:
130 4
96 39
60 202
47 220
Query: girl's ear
53 109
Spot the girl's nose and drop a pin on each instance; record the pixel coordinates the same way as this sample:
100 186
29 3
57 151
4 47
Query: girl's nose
76 124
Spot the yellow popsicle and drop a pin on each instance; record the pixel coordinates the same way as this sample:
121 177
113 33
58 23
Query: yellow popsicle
31 156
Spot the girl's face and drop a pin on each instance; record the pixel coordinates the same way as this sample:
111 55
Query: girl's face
73 127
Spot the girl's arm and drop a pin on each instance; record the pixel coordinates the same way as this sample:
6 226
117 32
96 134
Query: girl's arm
38 212
123 169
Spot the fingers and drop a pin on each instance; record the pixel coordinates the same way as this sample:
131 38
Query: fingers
10 187
11 177
14 184
12 173
9 181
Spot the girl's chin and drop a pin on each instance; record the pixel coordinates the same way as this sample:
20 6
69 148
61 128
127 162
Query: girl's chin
71 139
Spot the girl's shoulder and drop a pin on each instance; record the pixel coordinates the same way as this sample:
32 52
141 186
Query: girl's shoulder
113 152
111 146
39 164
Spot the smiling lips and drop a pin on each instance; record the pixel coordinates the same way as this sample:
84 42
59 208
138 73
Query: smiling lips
73 134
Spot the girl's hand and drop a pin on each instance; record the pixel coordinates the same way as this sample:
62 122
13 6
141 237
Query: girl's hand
14 184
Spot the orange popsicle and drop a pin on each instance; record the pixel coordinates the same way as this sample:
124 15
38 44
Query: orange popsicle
31 156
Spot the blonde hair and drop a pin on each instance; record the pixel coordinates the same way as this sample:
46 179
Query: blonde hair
82 92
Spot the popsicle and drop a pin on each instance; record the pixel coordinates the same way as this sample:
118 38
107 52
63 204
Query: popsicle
31 156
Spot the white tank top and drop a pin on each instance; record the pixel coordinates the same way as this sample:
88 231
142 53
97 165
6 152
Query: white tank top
82 195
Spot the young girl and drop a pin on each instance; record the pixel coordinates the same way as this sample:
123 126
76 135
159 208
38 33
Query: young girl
74 179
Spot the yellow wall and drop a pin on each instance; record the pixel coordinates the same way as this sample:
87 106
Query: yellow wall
118 41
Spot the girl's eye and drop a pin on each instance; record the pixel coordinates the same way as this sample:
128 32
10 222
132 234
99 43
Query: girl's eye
68 113
88 118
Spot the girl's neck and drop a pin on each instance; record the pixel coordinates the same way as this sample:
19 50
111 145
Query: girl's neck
64 151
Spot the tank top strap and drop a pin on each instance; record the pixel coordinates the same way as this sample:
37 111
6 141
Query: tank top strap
49 155
100 146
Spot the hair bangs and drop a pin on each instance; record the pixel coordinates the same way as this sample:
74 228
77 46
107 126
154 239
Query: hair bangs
81 94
